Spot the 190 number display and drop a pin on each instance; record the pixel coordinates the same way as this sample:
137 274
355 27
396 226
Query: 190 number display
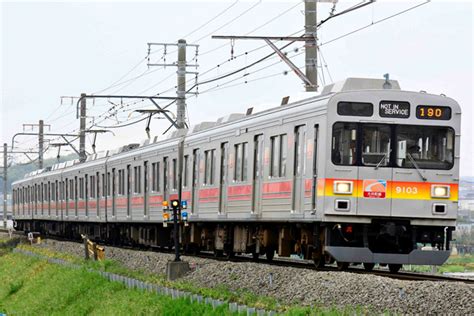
427 112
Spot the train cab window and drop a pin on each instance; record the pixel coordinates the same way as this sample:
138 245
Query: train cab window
355 109
375 145
209 166
344 144
427 147
278 155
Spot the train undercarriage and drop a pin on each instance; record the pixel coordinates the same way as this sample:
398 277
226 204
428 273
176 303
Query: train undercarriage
383 241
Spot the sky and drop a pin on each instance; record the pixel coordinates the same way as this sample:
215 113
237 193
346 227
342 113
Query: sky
54 49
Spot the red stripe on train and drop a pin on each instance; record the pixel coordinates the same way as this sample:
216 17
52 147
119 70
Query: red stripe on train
283 187
239 190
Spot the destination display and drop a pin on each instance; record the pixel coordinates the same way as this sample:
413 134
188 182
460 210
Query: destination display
429 112
355 109
396 109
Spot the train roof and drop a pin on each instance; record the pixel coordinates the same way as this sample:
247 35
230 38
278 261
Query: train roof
347 85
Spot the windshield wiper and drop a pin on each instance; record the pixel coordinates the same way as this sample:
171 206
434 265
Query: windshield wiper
416 166
380 162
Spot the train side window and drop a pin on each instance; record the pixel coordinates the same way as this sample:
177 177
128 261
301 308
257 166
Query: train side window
92 186
104 186
81 188
241 162
355 109
97 185
86 189
137 171
344 144
71 189
121 182
278 155
185 171
155 176
174 172
53 190
108 183
209 165
66 190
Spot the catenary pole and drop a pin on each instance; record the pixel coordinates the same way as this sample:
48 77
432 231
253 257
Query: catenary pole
311 49
5 186
82 128
40 143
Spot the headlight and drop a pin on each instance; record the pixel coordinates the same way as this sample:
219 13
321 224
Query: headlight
440 191
342 187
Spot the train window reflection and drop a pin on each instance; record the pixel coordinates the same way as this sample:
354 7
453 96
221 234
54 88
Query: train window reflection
430 147
376 145
344 144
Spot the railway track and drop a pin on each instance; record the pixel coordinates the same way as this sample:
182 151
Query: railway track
297 263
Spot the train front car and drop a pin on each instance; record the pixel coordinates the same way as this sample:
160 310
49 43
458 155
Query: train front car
390 189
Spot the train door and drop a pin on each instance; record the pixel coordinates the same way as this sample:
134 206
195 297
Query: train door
314 182
195 182
145 188
223 178
129 190
374 172
257 174
298 168
114 192
165 179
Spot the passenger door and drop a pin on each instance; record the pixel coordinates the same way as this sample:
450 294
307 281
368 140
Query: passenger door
257 174
224 166
195 183
298 168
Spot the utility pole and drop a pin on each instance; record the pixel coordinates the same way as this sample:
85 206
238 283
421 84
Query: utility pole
177 267
41 127
40 143
311 48
181 122
181 92
82 128
5 186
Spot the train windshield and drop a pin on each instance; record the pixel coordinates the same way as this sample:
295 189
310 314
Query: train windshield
383 145
429 147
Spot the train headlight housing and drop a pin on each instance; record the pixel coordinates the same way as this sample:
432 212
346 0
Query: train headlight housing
342 187
440 191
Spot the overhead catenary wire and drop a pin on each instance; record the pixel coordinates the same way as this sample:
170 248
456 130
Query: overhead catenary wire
342 36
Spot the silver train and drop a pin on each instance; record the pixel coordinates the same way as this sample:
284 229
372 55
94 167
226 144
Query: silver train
364 173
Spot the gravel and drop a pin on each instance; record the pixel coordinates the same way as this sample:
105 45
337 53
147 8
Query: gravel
304 286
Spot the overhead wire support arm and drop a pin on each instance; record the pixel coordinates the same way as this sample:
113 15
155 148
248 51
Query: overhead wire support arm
293 67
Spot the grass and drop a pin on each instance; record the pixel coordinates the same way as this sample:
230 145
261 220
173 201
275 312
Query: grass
32 286
241 296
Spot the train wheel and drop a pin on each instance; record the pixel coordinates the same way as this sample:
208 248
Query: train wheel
255 256
394 268
319 259
229 254
218 253
341 266
368 266
269 253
